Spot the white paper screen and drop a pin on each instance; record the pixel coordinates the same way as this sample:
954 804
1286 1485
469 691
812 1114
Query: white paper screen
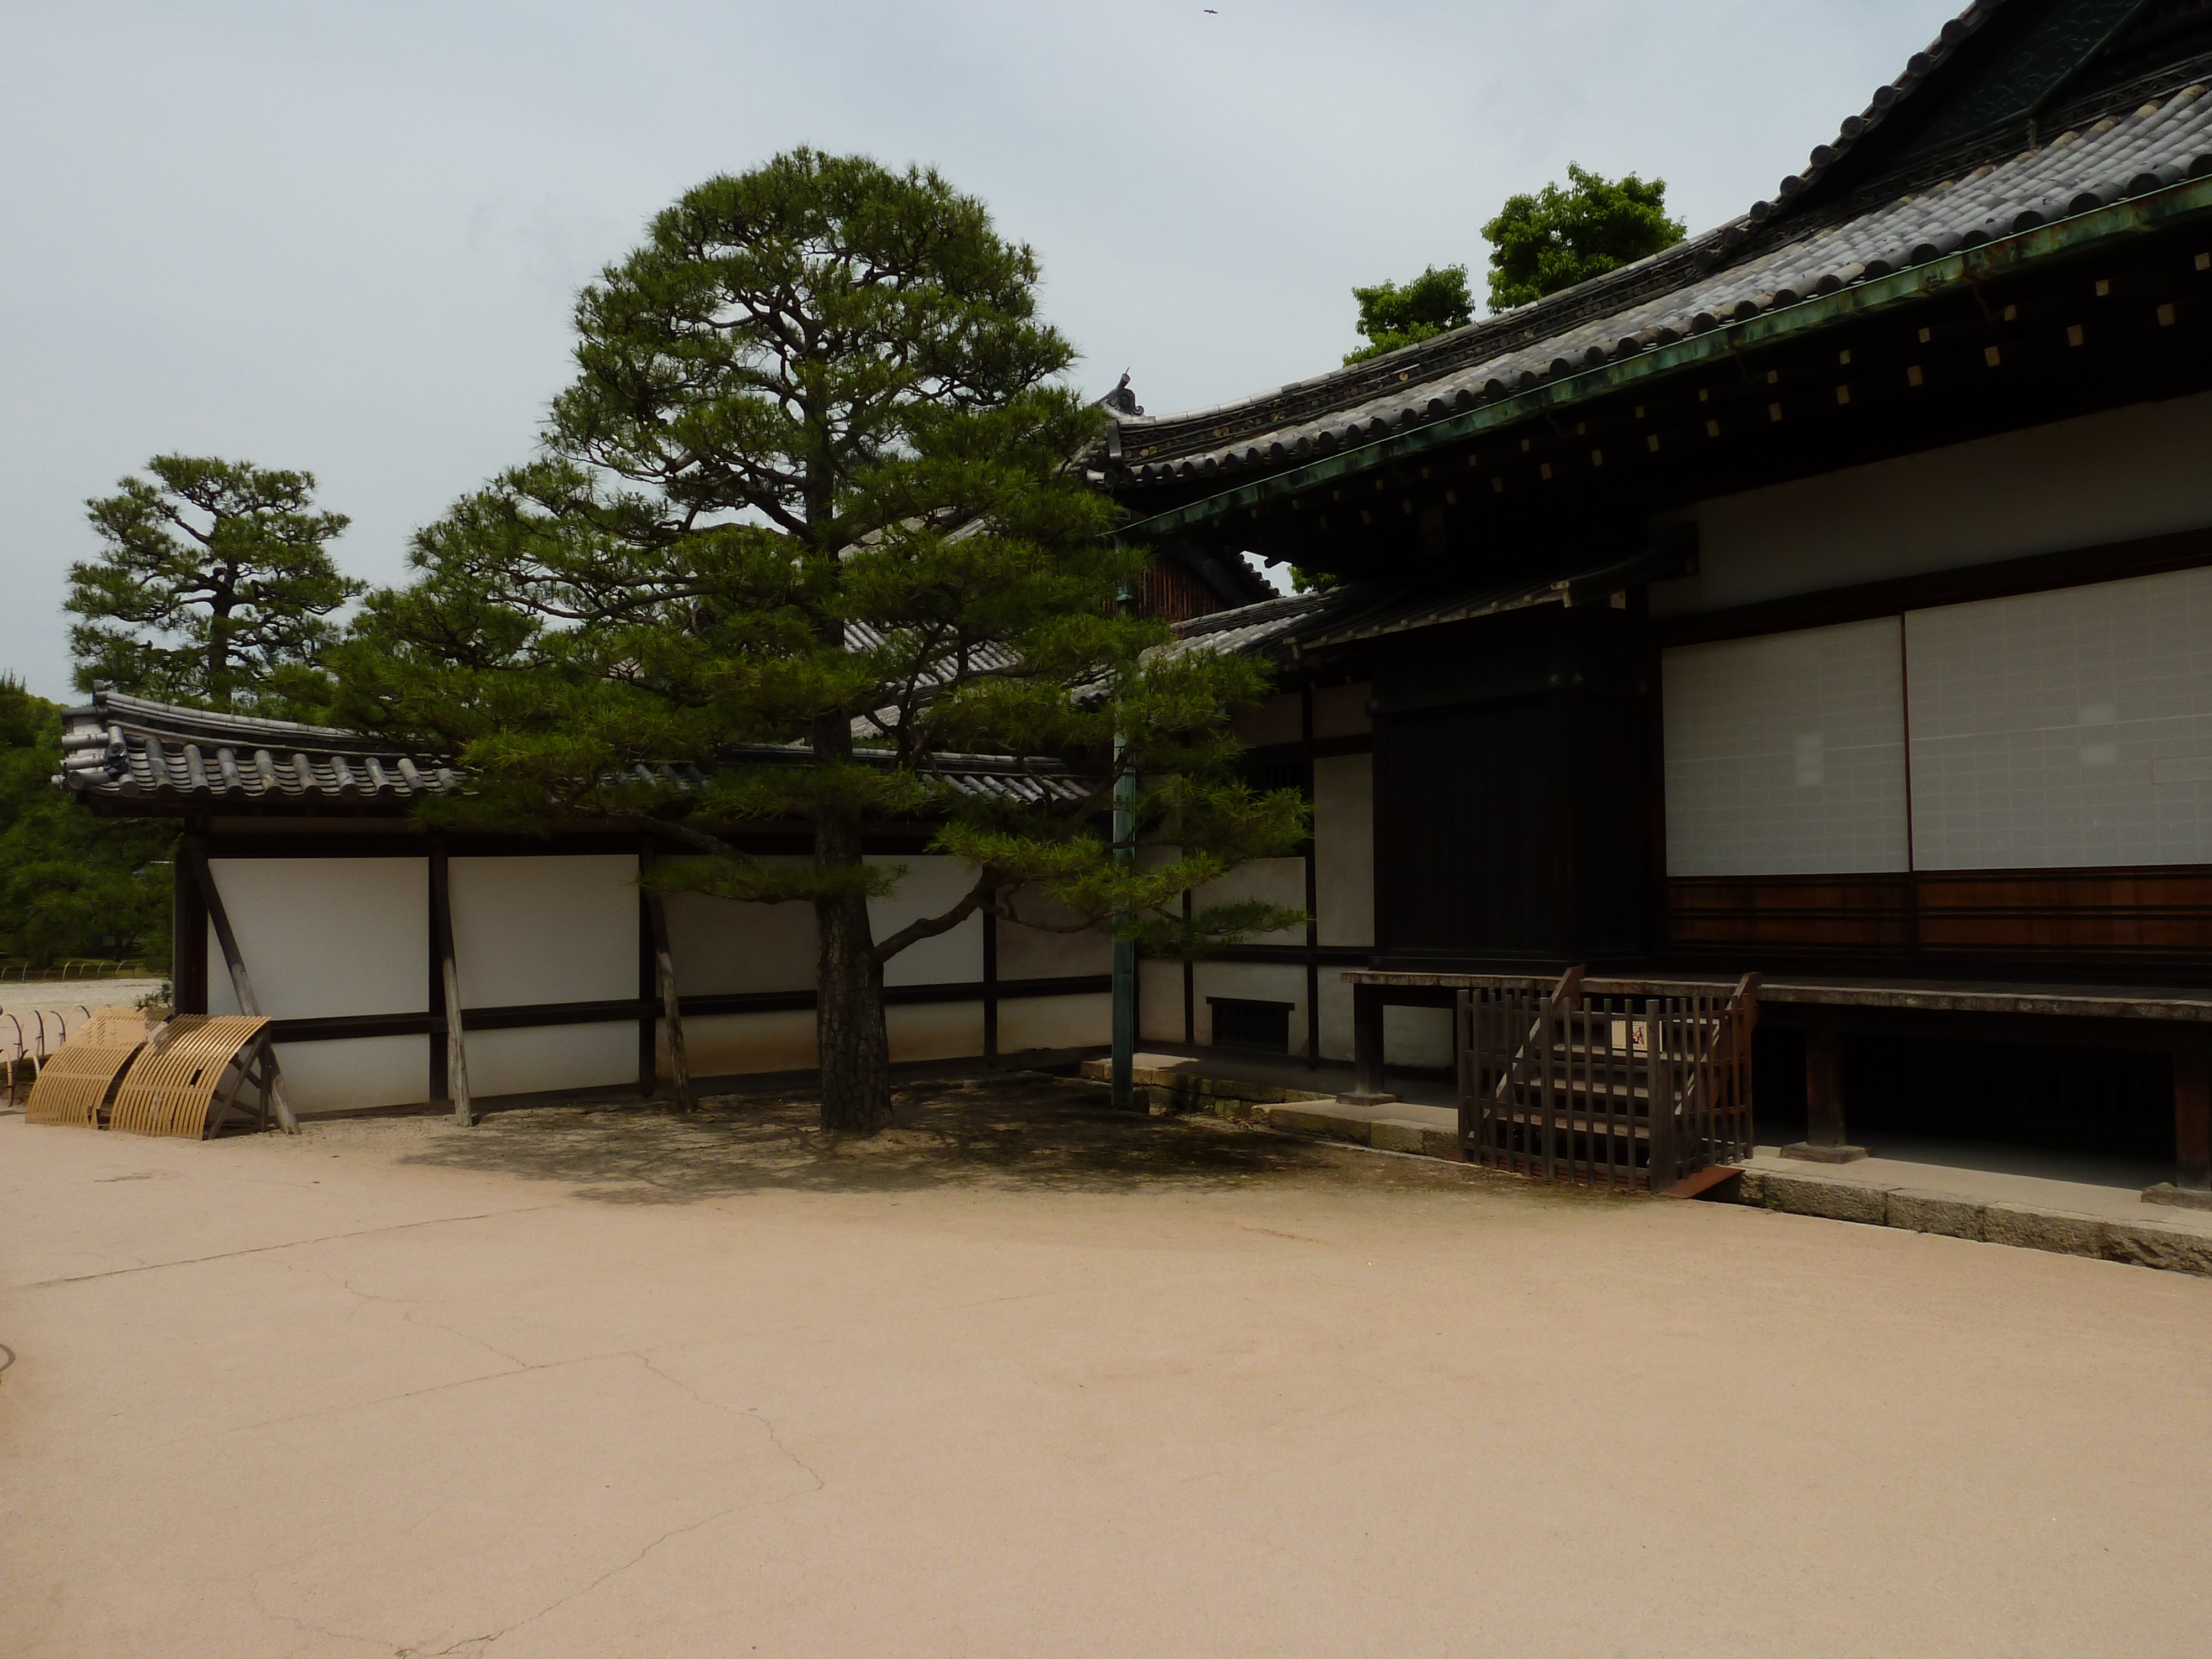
1785 754
2064 729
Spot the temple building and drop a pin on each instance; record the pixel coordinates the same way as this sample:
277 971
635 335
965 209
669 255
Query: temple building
1820 611
1828 598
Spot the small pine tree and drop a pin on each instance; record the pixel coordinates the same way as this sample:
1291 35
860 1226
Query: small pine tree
215 589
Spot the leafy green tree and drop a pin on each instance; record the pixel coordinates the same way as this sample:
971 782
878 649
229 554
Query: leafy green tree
811 488
215 589
1433 303
71 885
1556 238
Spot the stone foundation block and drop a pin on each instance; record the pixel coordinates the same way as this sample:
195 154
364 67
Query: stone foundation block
2043 1230
1934 1212
2146 1244
1831 1200
1752 1189
1315 1123
1442 1143
1395 1135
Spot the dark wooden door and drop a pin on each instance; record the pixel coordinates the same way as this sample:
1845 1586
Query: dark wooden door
1471 845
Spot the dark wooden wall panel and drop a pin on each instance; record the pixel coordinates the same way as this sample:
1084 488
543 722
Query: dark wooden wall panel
2051 921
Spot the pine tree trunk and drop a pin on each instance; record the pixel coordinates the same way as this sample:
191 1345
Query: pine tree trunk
849 1022
848 1005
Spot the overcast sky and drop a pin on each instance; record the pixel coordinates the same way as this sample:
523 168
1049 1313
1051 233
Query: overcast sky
346 238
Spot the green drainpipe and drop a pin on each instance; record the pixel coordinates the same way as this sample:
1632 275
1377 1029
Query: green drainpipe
1125 951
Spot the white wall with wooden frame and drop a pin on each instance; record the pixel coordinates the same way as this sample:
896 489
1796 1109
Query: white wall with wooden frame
556 982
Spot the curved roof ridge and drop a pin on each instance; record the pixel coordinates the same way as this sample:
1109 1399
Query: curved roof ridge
1143 437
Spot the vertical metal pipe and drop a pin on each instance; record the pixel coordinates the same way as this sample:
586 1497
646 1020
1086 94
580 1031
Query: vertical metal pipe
1125 950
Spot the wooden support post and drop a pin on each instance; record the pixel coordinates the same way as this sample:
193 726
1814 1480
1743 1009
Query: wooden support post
1824 1141
195 852
991 987
449 981
1665 1158
1367 1048
2192 1116
1313 890
1189 985
649 990
679 1063
188 949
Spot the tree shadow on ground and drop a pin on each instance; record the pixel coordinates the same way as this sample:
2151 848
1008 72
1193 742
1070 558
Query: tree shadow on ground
1023 1131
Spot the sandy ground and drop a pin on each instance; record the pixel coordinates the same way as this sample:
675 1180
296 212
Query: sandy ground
1028 1380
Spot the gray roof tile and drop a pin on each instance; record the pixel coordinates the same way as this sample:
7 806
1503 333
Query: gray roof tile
2161 142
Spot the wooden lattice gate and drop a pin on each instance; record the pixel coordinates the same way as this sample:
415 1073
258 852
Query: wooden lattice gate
1605 1089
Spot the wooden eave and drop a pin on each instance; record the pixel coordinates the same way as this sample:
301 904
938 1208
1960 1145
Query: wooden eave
1832 381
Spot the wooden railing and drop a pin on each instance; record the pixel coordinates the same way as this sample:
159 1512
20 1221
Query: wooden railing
1614 1091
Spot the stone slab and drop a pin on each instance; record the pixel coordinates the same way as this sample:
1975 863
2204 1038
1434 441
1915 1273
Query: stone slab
1805 1151
2179 1198
1831 1201
1934 1212
1442 1143
1395 1134
2043 1230
2153 1244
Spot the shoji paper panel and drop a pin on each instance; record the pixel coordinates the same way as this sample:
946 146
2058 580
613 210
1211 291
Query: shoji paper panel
2064 729
1785 754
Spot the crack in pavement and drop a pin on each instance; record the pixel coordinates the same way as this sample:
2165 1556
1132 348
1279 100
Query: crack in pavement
612 1572
774 1438
289 1244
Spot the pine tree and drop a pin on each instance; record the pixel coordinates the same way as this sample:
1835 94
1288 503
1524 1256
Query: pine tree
215 589
812 487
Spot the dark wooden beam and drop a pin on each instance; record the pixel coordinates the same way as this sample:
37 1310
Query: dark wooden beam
452 1036
2192 1115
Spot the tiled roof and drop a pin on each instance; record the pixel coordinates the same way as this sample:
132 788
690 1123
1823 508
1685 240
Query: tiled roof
121 749
1770 257
126 748
1364 611
1271 624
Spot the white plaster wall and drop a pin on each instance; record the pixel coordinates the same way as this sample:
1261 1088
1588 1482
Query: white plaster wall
722 948
1280 719
1417 1037
1273 881
732 1045
2136 471
1344 848
1253 982
1037 953
539 1058
1341 711
1159 1002
935 1030
325 937
556 928
932 886
356 1073
1076 1022
1335 1015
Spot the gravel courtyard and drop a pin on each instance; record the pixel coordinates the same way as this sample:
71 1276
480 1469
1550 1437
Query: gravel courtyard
1024 1378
